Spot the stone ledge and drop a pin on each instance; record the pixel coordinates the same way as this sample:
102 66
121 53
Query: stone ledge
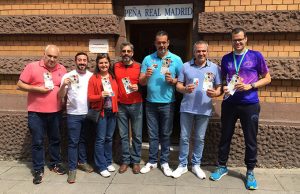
68 24
280 68
278 145
259 21
15 65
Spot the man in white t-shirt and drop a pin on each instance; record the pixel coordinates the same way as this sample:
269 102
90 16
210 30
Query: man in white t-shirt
74 85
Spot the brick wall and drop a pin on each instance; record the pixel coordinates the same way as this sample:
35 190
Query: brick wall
55 7
251 5
271 45
286 91
34 45
8 84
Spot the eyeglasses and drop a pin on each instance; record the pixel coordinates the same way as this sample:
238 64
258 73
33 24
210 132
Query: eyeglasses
126 51
238 40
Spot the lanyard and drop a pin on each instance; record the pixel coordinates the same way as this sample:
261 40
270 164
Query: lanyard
237 67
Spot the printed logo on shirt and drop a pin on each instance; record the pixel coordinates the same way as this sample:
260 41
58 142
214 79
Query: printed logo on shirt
247 64
230 65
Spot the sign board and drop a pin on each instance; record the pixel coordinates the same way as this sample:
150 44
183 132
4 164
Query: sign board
154 12
98 46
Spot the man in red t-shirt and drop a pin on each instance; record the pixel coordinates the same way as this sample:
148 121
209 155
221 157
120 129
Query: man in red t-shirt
130 100
41 79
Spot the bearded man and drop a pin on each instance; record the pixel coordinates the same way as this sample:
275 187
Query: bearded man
127 74
74 85
159 72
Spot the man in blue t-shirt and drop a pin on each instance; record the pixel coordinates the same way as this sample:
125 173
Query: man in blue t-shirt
242 70
159 72
199 81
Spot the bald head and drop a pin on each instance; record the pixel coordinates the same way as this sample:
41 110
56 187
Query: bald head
51 55
51 47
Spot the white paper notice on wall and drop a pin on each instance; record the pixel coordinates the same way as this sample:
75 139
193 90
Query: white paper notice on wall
98 46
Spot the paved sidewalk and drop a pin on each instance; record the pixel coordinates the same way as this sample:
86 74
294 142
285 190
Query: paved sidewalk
16 178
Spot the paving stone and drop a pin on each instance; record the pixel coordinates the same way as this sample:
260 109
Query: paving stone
3 169
27 187
268 182
192 190
260 191
157 177
289 182
233 180
17 178
140 189
17 173
191 179
228 191
5 185
129 178
93 177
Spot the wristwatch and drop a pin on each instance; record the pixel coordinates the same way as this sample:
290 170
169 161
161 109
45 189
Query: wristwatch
253 85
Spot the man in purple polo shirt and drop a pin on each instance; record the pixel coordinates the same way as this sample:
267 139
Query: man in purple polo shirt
242 70
199 80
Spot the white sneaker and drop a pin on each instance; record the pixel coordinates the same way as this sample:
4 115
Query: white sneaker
105 173
166 169
148 167
111 168
179 171
199 172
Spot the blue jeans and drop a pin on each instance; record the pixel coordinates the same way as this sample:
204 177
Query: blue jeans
187 121
134 112
103 143
77 128
39 124
160 125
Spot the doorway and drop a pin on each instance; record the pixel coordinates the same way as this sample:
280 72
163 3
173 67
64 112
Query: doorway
142 35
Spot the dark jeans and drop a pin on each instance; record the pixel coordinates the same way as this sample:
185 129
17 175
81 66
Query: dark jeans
134 113
249 116
38 124
103 144
77 129
160 125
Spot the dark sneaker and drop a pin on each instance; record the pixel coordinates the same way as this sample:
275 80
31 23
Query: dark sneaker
58 169
71 176
251 183
85 167
38 177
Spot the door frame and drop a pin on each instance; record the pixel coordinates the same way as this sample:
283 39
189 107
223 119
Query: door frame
189 52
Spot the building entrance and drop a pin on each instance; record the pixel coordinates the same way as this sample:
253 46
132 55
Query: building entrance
142 36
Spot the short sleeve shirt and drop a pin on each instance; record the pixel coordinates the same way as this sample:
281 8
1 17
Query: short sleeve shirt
252 66
77 103
158 90
33 74
198 102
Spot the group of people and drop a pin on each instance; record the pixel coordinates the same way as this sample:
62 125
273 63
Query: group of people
114 91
